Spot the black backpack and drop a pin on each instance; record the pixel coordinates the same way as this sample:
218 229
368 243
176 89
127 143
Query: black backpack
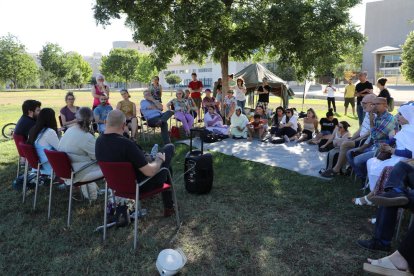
212 136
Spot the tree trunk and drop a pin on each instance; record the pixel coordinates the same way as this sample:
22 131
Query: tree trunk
224 62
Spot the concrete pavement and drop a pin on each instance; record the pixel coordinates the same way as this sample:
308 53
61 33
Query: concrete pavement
401 94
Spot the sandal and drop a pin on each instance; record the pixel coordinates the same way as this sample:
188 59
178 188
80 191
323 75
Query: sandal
361 201
329 173
384 266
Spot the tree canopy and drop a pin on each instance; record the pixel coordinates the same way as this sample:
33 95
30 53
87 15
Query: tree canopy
172 79
80 71
15 64
54 60
125 65
407 56
305 34
60 67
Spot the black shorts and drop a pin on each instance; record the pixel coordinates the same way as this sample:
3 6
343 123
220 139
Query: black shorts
349 101
308 133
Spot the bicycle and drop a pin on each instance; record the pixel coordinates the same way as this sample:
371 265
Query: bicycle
8 130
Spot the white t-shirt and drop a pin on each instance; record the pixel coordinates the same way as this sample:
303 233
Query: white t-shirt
293 120
49 138
366 127
240 96
331 91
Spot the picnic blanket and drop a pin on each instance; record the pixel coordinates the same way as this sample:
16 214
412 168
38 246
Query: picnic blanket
302 158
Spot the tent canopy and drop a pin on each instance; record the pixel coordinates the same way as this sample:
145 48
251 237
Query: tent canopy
253 76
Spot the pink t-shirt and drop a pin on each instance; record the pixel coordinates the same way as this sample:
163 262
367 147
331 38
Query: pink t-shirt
96 101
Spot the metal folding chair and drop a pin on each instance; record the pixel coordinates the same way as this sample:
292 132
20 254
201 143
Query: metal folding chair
62 168
121 178
18 139
32 159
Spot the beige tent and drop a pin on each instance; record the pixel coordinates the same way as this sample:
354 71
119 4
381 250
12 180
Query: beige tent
253 76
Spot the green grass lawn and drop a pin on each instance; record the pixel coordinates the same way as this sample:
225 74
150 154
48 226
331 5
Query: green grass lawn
257 219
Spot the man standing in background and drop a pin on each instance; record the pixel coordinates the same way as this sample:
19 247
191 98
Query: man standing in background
349 97
362 89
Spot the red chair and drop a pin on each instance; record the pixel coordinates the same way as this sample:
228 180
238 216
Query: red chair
17 140
32 159
62 167
121 178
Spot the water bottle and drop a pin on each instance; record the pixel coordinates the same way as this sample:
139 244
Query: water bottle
154 151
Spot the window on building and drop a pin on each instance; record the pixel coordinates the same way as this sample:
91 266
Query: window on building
194 70
390 61
207 82
205 70
182 71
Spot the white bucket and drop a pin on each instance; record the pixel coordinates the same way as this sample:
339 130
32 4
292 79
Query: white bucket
170 261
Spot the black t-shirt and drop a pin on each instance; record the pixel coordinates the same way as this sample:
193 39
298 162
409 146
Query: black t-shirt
361 87
264 97
385 94
117 148
327 125
24 125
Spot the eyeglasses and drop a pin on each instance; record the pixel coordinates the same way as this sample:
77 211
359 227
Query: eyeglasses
340 127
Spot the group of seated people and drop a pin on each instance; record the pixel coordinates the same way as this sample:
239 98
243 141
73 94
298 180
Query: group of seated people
380 152
39 127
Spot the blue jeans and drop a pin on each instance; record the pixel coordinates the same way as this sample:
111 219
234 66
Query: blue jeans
385 224
361 114
359 163
242 105
401 176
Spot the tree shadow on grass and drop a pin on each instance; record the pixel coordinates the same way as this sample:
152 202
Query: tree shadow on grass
257 220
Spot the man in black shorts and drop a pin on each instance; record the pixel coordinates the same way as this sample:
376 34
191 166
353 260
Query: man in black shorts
112 146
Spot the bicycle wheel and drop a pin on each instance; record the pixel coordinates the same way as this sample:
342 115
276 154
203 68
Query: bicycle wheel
8 130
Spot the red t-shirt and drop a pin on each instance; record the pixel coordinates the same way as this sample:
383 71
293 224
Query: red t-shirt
195 85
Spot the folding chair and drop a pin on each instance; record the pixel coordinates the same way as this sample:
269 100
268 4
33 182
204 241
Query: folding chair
17 140
121 178
62 168
32 159
145 123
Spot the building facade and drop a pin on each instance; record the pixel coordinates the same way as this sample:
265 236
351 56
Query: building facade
387 24
207 73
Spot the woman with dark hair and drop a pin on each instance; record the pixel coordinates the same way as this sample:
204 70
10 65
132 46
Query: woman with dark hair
68 113
289 126
339 135
43 135
193 107
277 120
384 93
333 144
328 126
156 89
240 91
310 125
79 144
